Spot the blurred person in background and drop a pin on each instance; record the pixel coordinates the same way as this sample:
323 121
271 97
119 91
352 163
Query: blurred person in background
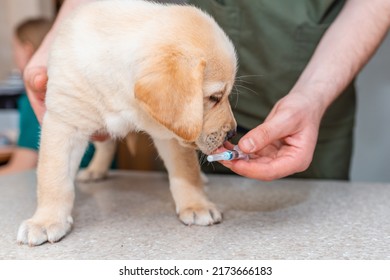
27 38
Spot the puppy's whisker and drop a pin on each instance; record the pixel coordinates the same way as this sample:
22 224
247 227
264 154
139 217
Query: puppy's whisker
244 78
242 81
237 95
203 160
157 158
248 76
234 91
248 89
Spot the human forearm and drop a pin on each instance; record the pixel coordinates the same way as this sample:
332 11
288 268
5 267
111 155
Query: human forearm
345 48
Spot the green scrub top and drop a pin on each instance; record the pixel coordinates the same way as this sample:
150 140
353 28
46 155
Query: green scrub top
274 40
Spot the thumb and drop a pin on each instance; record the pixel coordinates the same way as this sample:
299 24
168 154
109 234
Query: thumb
261 136
36 79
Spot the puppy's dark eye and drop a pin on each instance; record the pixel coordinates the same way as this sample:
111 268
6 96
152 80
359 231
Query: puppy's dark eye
215 98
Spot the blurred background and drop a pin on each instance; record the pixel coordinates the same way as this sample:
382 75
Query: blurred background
371 159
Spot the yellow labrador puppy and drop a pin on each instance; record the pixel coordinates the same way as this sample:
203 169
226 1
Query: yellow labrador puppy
120 66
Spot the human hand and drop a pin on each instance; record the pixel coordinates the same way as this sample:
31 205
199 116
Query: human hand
284 144
35 79
35 74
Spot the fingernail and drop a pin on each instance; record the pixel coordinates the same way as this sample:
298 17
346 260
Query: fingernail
248 145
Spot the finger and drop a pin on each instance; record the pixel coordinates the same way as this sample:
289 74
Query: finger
36 80
267 169
222 149
264 134
38 105
40 83
100 137
228 145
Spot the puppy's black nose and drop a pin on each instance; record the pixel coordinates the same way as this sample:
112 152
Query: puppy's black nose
230 134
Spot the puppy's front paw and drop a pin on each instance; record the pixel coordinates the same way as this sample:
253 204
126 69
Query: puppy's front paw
88 175
202 215
37 231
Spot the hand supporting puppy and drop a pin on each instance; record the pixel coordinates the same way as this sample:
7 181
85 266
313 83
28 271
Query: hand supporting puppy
35 73
35 79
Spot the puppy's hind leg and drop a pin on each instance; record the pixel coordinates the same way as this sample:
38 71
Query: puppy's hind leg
61 149
100 163
192 205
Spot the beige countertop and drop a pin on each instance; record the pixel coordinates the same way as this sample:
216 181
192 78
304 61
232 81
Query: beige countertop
131 216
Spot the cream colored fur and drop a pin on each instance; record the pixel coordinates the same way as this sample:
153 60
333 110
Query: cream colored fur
121 66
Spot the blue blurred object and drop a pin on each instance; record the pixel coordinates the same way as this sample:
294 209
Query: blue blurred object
12 85
10 90
4 141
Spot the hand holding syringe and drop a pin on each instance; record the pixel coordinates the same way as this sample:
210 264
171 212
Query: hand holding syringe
228 155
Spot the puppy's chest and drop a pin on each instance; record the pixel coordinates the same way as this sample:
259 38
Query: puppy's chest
120 123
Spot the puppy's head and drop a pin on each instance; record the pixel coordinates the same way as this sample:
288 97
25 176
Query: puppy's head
185 82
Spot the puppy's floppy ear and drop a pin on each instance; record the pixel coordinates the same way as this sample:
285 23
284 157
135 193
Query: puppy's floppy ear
170 89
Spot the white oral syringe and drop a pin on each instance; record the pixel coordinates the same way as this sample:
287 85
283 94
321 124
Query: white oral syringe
228 155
